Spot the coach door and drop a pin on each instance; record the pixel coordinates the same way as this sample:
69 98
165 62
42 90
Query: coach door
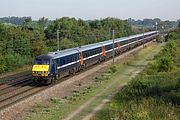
103 51
81 59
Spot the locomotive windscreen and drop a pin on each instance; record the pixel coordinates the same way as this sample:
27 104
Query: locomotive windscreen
41 62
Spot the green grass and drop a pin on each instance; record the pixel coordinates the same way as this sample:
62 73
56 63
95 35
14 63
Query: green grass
117 75
152 95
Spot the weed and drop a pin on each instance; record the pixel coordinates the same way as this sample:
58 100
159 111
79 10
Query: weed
113 69
55 101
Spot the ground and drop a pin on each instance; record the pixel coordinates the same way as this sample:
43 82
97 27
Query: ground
90 93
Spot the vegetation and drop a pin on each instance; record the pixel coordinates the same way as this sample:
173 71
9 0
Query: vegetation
179 25
152 95
13 20
102 85
175 35
151 23
20 44
78 32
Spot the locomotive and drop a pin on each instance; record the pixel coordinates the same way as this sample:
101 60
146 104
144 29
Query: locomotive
48 68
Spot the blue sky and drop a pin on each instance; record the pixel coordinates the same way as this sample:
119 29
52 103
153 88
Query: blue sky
92 9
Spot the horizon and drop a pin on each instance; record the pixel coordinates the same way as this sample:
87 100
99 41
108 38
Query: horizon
92 9
87 19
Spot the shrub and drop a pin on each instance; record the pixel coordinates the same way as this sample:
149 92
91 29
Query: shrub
2 65
160 39
170 49
165 64
12 61
174 35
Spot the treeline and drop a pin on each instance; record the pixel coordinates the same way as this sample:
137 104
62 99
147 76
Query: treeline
78 32
13 20
151 23
20 44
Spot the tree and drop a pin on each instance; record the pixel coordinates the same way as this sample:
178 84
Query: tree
42 22
27 22
179 25
18 46
66 43
86 32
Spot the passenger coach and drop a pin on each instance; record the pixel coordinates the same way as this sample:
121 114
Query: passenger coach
50 67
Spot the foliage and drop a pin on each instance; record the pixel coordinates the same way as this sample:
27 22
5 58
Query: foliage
13 20
160 39
81 32
18 46
166 59
165 64
151 23
66 43
175 35
113 69
150 97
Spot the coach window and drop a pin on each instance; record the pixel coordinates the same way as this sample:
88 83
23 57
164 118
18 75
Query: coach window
58 61
89 53
63 61
85 54
73 58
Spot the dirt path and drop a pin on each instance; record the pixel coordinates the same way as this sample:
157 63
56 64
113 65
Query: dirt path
131 71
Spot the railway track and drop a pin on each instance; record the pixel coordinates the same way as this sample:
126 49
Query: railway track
23 87
15 94
13 78
15 81
10 92
20 89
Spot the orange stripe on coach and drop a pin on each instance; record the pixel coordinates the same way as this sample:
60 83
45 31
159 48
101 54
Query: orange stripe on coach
104 51
81 59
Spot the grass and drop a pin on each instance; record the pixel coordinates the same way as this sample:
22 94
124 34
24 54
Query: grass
152 95
117 75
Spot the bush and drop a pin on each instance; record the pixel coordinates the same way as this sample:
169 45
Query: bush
166 59
174 35
160 39
170 49
165 64
9 62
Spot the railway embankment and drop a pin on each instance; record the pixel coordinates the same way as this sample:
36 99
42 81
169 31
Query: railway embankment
93 88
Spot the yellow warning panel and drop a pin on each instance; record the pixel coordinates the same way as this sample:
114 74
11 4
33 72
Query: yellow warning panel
44 68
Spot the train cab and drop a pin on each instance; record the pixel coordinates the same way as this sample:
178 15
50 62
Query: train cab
44 69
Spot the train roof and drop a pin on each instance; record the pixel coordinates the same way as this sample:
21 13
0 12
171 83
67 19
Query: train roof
76 50
45 56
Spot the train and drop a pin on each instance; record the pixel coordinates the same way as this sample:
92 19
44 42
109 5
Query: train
48 68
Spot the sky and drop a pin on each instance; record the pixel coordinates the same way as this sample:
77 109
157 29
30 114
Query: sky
92 9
